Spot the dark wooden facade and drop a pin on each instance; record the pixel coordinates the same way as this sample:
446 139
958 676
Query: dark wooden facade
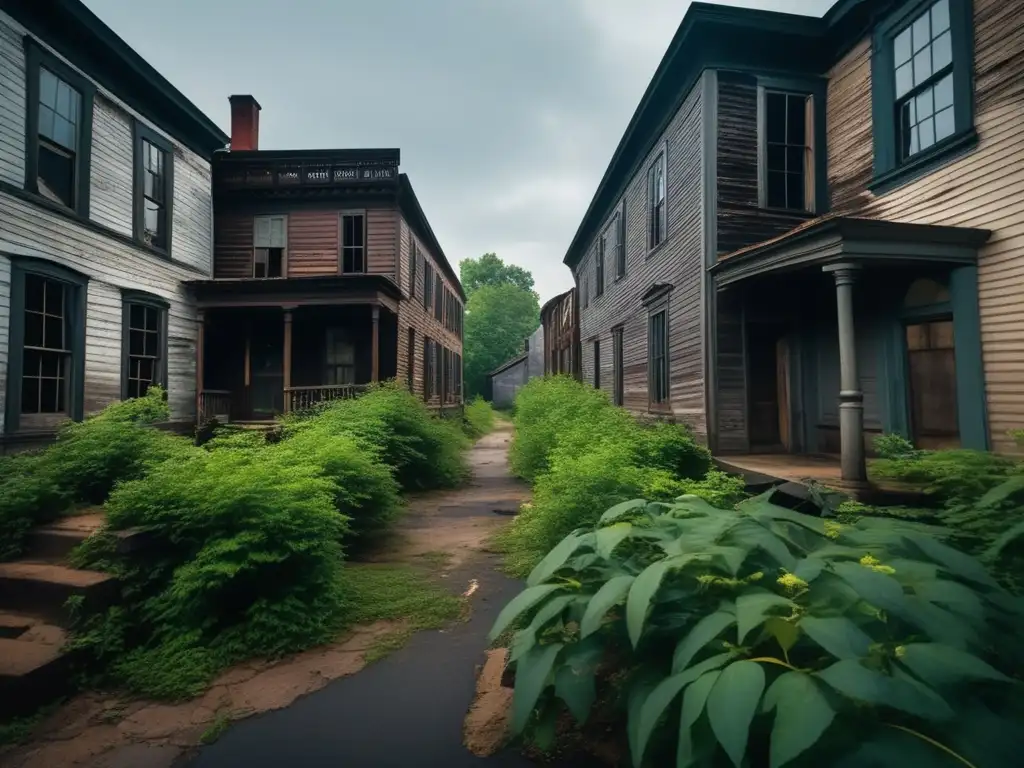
560 320
313 296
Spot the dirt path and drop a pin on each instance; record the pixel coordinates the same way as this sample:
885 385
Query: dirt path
312 709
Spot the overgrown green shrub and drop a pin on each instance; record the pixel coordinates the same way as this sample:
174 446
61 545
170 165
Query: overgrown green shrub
30 494
672 447
892 446
243 558
955 475
424 451
763 637
718 488
478 417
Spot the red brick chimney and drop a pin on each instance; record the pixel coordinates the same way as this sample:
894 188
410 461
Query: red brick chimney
245 123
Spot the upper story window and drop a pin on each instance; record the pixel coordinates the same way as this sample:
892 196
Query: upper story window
438 297
59 130
922 71
353 243
602 246
657 194
428 286
618 230
154 188
786 149
270 247
412 265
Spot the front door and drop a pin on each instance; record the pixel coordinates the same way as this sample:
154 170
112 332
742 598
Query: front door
931 362
266 369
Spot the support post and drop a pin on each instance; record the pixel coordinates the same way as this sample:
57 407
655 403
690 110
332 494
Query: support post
287 359
851 397
200 344
375 346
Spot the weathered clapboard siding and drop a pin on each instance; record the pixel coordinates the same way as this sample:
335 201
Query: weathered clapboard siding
381 245
678 261
232 245
741 221
12 97
731 367
192 224
103 341
412 314
27 230
5 331
111 185
984 188
313 243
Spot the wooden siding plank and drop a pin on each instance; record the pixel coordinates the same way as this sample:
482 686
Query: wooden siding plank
5 332
381 247
111 186
313 247
12 102
979 189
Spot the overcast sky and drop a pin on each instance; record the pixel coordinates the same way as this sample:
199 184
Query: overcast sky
506 111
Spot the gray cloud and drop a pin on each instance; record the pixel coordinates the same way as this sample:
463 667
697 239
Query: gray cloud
507 111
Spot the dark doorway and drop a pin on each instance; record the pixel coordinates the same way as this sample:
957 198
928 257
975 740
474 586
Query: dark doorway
266 366
931 362
768 393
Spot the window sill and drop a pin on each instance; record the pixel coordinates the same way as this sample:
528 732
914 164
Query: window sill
651 252
926 162
85 221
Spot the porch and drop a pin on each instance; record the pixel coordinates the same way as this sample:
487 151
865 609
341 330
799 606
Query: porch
839 331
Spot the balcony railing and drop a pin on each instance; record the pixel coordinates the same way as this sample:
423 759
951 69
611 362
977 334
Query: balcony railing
214 404
301 398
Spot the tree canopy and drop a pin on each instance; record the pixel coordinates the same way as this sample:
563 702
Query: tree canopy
502 310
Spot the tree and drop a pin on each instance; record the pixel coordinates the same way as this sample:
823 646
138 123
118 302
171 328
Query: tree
490 270
499 319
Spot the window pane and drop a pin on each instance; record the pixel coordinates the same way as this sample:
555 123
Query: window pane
49 396
29 395
776 157
154 223
794 190
136 342
54 298
795 159
152 319
940 16
775 117
944 124
796 119
137 316
35 290
152 344
776 189
901 47
925 106
33 329
927 132
944 93
922 32
56 175
47 88
922 66
904 79
145 369
942 52
46 118
53 332
49 365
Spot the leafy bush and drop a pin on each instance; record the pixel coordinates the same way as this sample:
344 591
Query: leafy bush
671 447
478 417
956 475
718 488
243 558
787 639
424 451
891 446
30 494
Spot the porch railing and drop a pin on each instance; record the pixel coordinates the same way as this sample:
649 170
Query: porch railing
301 398
214 403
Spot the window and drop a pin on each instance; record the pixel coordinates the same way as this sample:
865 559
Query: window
617 383
428 369
585 289
270 244
353 243
786 162
428 286
410 358
921 86
144 344
46 354
446 374
619 229
340 357
412 265
59 131
458 377
154 188
657 357
602 244
656 202
438 293
597 363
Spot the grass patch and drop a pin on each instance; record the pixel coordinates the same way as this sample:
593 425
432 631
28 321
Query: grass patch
437 559
397 592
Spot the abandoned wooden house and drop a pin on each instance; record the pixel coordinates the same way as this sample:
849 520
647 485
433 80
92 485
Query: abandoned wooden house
812 231
105 212
559 318
326 277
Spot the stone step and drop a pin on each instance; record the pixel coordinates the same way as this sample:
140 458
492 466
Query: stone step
34 668
42 589
55 542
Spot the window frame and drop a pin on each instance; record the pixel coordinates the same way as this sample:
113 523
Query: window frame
597 363
665 404
410 355
143 132
284 249
599 254
889 172
660 157
618 378
78 293
438 297
428 286
35 57
342 215
620 250
162 306
413 257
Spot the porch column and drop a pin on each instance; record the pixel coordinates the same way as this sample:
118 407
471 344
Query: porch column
287 358
851 398
375 343
200 343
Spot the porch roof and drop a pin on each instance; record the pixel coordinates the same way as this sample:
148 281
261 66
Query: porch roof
832 238
296 291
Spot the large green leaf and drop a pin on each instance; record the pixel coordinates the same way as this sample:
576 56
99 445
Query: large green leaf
954 595
662 695
610 537
705 630
879 589
694 699
837 635
953 560
1001 492
527 638
611 593
620 510
518 605
752 534
941 665
850 678
772 512
532 674
732 704
941 625
574 680
786 633
803 714
753 607
642 592
808 569
556 558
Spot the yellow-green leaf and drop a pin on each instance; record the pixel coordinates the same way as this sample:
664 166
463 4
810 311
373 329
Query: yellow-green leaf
732 704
